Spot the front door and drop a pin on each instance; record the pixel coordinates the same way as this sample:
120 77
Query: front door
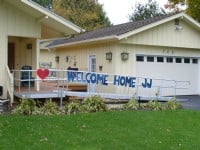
92 68
11 56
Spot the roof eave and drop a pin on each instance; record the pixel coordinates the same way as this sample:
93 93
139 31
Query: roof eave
191 20
53 16
102 39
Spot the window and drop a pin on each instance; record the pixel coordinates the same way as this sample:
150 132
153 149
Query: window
150 59
160 59
139 58
186 60
169 59
195 61
178 60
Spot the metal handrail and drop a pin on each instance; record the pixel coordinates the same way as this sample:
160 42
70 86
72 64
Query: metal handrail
10 84
63 78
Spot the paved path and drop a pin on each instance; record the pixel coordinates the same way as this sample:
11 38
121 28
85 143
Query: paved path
193 102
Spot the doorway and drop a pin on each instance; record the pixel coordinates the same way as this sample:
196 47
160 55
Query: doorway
92 68
11 56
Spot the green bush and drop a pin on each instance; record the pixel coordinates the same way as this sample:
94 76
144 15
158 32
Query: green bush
173 105
49 108
154 105
73 108
131 105
94 104
26 107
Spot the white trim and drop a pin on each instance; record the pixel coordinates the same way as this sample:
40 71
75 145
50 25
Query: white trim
190 19
107 38
52 15
52 39
37 62
180 15
91 87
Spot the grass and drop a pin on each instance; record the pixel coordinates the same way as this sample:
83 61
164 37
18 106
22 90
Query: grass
146 130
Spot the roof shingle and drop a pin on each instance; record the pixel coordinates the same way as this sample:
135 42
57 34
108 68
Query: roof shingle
116 30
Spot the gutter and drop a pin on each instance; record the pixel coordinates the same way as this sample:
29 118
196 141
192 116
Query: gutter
101 39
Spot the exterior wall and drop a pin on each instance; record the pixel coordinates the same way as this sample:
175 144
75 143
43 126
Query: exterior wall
24 56
168 71
14 22
17 23
47 57
3 61
167 35
131 67
81 54
163 40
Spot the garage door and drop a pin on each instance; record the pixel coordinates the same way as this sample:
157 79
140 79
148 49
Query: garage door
165 71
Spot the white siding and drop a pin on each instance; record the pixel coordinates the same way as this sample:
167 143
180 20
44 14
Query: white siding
81 57
3 59
174 71
81 54
167 35
16 23
48 57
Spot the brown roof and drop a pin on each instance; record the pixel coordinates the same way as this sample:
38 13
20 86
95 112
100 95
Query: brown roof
116 30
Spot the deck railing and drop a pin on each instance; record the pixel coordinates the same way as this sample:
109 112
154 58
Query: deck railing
106 83
10 84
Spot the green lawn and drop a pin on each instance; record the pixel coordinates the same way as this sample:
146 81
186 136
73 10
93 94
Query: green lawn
138 130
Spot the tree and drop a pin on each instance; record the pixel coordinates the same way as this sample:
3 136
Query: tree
148 10
192 7
45 3
176 6
88 14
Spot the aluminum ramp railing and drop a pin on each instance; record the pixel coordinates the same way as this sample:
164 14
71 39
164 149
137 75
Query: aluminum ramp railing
107 85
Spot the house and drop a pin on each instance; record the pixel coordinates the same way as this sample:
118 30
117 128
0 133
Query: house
163 51
23 24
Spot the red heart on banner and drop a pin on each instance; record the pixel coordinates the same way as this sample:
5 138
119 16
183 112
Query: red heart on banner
43 73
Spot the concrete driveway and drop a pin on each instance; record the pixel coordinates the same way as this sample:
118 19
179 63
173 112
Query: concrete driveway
190 101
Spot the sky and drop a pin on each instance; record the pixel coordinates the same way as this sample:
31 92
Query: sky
119 10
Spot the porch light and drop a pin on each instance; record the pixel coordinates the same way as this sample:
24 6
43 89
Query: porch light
124 56
100 68
67 58
109 56
57 59
177 24
29 46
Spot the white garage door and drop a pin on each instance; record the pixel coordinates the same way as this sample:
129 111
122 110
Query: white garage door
168 68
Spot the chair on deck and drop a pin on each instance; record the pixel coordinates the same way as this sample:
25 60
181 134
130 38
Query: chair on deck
27 75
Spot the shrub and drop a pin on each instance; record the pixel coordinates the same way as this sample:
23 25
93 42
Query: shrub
173 105
73 108
49 108
94 104
26 107
131 105
154 105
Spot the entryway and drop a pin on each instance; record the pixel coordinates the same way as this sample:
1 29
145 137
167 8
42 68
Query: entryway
92 68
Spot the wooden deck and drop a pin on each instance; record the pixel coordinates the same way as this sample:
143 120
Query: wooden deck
56 90
48 89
